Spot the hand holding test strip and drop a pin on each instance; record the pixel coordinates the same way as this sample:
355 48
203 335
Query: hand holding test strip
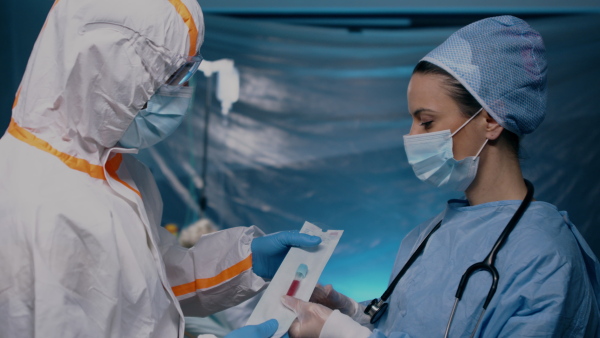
297 276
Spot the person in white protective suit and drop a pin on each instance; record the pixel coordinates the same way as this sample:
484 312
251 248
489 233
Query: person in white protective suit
82 253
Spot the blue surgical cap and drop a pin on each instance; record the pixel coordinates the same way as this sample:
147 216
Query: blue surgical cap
501 62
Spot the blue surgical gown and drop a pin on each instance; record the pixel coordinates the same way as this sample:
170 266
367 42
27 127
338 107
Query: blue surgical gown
548 284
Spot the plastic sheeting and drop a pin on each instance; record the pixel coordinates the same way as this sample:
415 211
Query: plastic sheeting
317 136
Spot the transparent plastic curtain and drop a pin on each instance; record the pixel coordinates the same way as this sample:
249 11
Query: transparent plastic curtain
317 136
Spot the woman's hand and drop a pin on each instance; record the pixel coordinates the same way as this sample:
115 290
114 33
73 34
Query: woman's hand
311 317
326 295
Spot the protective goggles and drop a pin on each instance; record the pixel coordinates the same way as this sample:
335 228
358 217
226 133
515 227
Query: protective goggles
185 72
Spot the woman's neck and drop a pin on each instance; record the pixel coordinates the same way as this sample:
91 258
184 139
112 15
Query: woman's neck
499 177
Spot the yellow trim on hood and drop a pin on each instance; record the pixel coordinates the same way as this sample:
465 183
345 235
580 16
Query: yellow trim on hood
185 14
95 171
16 99
112 166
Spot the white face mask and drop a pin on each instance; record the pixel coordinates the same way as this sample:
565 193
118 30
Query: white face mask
432 159
165 112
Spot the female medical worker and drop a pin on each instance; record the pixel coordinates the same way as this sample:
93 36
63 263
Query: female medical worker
471 99
82 253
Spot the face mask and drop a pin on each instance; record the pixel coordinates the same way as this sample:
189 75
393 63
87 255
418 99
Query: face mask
432 160
163 114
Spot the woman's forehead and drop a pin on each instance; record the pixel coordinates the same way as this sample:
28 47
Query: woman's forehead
428 92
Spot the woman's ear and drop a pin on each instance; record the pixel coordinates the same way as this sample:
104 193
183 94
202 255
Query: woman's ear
492 129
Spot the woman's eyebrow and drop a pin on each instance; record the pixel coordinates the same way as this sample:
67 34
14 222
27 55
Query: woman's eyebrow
418 112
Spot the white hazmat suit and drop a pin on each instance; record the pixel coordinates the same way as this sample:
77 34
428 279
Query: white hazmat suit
82 253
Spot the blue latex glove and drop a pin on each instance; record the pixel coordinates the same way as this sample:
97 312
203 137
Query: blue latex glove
264 330
269 251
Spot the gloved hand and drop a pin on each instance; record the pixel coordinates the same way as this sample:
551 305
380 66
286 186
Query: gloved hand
269 251
311 317
326 295
264 330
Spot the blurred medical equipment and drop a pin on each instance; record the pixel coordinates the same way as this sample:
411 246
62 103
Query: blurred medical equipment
194 196
172 228
378 306
227 92
228 81
314 259
192 233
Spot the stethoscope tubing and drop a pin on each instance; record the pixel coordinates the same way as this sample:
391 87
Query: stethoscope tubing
488 263
378 306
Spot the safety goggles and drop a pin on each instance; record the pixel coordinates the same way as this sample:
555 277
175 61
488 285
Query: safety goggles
185 72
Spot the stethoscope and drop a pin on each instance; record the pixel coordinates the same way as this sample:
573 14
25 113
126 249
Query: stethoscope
378 306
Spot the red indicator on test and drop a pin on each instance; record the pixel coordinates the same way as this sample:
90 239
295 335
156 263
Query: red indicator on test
300 274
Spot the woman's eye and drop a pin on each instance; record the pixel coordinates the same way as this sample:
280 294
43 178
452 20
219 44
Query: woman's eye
426 124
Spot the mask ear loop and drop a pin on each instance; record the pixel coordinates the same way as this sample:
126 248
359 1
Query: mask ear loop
480 149
464 124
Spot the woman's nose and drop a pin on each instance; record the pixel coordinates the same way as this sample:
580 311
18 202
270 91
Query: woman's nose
414 130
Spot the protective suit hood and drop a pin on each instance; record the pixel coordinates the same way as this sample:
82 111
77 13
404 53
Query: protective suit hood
96 63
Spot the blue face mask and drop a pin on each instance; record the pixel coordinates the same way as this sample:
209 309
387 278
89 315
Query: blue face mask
432 159
163 114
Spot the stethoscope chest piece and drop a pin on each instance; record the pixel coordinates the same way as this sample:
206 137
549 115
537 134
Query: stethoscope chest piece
376 309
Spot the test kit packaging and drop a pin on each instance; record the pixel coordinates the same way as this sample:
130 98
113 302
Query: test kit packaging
298 275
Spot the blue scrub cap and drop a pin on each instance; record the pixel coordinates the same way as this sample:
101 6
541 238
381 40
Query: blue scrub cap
501 62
